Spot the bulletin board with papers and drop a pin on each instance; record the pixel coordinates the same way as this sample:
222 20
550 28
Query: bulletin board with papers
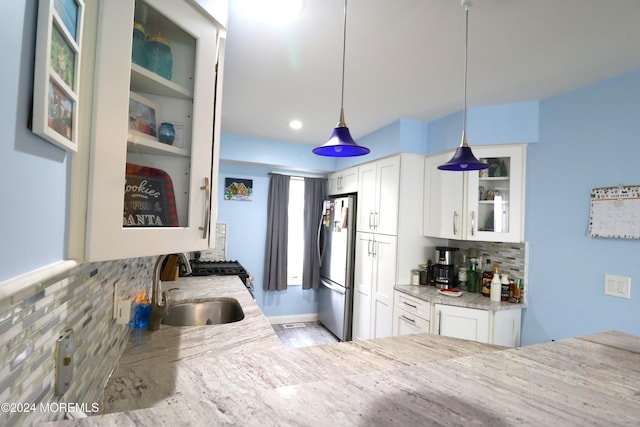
615 212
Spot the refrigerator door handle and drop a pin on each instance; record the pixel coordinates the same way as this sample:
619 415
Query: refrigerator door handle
333 287
319 249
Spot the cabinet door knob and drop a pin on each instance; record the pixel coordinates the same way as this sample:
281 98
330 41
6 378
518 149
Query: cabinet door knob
207 208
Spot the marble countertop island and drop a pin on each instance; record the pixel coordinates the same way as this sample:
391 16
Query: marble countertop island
240 374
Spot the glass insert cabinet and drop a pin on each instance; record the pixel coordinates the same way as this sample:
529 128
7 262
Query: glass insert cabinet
485 205
495 201
155 129
493 196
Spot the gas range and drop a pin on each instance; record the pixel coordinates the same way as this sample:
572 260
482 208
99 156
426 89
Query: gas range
216 268
222 268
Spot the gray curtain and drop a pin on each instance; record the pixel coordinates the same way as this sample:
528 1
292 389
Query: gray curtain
314 195
275 267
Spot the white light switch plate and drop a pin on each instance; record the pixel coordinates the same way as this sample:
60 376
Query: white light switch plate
124 312
617 286
116 297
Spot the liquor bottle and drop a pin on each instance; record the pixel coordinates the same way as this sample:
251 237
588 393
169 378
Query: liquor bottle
487 276
496 285
504 279
473 276
517 292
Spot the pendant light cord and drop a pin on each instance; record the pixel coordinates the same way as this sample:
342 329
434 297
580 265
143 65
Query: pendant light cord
466 47
341 122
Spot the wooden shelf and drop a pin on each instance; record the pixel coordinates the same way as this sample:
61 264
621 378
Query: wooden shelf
143 80
138 143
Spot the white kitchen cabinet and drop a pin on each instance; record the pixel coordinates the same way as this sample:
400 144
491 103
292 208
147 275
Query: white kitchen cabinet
362 287
378 196
386 255
374 279
190 98
443 199
477 205
460 322
343 182
499 327
411 315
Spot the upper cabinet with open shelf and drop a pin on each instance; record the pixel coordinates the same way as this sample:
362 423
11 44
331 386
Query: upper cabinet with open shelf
155 129
483 205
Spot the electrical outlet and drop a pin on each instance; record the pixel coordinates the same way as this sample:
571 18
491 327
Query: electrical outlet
123 315
64 362
617 286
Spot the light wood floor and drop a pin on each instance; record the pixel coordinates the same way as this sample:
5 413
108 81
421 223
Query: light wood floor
304 334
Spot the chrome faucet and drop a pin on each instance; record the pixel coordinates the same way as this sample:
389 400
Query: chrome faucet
158 311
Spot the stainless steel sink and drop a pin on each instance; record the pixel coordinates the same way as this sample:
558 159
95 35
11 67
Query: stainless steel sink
214 311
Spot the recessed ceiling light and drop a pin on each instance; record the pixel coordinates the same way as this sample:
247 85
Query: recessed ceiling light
295 124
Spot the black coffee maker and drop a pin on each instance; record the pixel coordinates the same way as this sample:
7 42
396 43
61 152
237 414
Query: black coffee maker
446 267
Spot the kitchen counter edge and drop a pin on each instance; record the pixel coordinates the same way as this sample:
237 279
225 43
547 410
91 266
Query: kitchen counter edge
467 300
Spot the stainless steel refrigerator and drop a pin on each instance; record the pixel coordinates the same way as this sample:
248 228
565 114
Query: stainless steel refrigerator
336 247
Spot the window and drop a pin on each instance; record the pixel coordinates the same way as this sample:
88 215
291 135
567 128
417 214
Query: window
295 251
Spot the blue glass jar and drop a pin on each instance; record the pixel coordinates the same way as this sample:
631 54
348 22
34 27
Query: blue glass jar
166 133
158 56
138 55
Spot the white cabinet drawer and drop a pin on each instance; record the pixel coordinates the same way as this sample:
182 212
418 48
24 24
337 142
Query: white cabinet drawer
407 323
413 305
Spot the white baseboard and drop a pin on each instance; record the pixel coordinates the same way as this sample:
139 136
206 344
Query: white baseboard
294 318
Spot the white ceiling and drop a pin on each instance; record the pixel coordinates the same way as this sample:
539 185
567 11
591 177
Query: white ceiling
405 59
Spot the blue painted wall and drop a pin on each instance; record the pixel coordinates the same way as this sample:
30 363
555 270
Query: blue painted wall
585 138
246 240
588 138
493 124
408 136
273 153
35 174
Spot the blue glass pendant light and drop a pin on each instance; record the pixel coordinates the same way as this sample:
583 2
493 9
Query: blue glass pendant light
463 159
341 144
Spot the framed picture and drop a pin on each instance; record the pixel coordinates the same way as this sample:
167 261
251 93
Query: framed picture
142 116
57 72
238 189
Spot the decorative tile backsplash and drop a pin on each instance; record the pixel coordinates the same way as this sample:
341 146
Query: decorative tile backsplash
32 322
512 257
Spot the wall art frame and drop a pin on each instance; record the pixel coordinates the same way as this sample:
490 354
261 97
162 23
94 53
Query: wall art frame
238 189
57 72
142 117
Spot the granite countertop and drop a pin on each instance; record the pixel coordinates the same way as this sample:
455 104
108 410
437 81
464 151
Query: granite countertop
239 374
467 299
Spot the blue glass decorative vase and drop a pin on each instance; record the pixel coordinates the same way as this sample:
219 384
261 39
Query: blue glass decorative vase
158 56
166 133
138 55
